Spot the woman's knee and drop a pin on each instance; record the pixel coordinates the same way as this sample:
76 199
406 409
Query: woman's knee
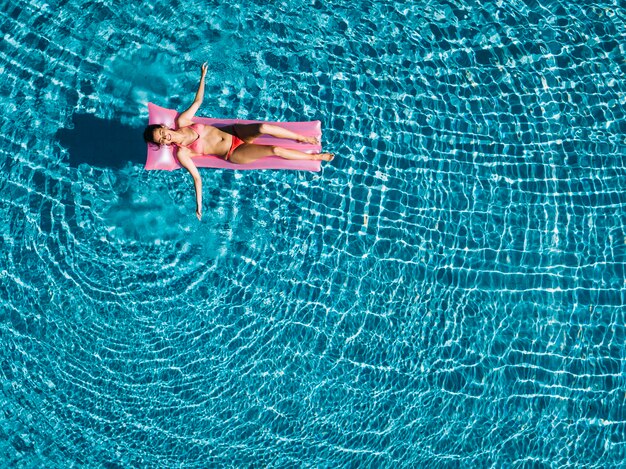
265 128
278 151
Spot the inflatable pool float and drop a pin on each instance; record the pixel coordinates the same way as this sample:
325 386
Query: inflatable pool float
163 157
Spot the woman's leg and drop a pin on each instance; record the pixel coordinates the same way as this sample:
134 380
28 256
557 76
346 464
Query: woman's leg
249 152
248 132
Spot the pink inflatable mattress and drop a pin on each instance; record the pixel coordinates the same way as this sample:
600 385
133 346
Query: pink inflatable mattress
163 157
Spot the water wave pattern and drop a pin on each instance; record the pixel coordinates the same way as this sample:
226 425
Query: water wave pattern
448 292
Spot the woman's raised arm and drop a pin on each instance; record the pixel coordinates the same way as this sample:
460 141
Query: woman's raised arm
185 118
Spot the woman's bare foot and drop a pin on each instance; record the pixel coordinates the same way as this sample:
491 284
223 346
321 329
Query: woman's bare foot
325 156
311 140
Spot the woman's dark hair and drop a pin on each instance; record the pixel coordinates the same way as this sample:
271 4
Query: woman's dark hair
148 134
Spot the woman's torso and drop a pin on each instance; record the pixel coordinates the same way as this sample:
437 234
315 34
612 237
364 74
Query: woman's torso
209 140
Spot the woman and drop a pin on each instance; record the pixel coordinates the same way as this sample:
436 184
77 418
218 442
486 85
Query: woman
233 143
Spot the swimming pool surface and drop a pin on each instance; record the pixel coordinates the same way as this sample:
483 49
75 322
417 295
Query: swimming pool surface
449 292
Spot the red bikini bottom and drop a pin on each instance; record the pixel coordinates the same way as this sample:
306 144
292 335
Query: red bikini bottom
233 146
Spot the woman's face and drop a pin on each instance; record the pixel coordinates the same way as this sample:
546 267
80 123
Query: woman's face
162 135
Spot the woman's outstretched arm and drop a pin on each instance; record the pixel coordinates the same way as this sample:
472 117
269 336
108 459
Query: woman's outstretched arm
185 118
186 162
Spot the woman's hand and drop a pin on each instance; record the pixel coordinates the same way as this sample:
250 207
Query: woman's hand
199 213
204 69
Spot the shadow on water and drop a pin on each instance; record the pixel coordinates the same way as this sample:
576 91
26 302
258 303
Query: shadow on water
102 143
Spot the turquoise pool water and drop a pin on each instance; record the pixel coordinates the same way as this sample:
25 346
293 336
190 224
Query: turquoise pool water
449 292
